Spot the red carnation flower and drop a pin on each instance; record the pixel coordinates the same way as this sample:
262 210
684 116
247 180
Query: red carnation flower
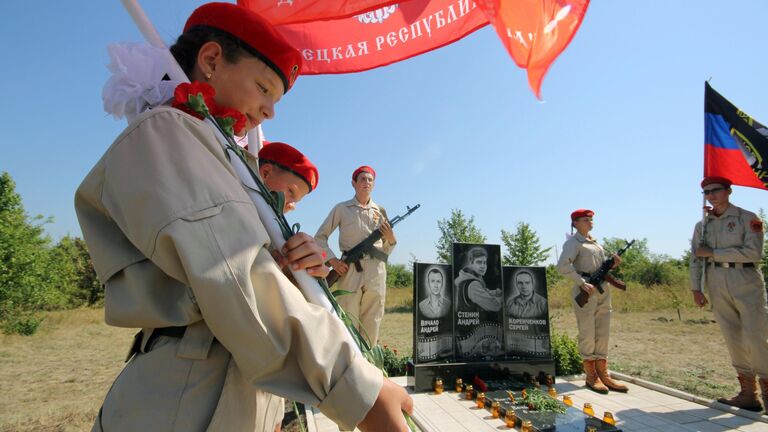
195 98
231 120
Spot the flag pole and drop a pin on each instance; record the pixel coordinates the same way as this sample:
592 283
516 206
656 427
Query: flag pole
702 240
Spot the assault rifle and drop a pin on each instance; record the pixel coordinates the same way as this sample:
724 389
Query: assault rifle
365 247
602 275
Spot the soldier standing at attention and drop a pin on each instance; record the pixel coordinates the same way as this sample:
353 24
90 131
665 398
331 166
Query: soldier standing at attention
732 249
582 255
183 255
367 281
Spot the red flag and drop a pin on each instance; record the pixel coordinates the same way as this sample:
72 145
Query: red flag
354 35
535 32
381 37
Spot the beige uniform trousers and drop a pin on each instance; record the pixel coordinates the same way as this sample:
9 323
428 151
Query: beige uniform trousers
737 294
594 323
585 255
741 309
366 303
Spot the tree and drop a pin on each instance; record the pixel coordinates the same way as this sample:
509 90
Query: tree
76 277
523 248
25 276
458 228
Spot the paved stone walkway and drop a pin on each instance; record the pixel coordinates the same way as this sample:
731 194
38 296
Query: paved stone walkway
647 407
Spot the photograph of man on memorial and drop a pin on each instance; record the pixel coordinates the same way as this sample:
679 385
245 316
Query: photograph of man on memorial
433 326
435 303
478 301
523 298
526 330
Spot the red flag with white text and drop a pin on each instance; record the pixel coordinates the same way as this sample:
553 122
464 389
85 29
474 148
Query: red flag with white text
354 35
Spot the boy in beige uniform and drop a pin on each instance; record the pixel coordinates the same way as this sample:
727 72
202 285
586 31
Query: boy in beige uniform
732 250
183 255
356 220
582 255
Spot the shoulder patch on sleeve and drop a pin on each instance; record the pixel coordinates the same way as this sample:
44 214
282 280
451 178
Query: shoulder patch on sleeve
756 224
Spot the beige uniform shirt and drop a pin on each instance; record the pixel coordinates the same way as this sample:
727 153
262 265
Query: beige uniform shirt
580 254
176 240
731 238
355 222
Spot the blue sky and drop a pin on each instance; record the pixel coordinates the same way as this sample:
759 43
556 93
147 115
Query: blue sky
620 129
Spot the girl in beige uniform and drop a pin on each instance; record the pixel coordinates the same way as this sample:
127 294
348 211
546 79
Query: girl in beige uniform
182 253
581 256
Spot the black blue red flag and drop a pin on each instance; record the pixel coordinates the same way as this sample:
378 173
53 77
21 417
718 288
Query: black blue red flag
735 144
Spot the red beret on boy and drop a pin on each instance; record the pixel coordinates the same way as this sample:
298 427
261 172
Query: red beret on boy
581 213
716 180
290 159
362 169
260 37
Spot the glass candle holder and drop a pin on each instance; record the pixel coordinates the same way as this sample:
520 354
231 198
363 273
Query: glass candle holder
480 400
511 396
527 426
552 392
510 418
591 429
459 385
468 392
495 409
438 386
608 418
550 380
567 400
524 393
588 409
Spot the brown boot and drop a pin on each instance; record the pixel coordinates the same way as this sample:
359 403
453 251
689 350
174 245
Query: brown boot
764 390
601 366
747 397
592 380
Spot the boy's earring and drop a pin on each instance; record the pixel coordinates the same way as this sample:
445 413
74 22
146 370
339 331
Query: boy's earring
208 75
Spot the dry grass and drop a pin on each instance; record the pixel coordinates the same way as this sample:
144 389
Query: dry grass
56 379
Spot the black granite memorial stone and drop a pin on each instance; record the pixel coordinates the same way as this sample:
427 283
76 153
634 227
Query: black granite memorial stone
433 301
526 313
478 294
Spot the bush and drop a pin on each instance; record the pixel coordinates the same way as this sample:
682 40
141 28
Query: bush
20 322
398 276
388 360
565 351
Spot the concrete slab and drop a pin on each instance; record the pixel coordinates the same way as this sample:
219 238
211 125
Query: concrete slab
647 407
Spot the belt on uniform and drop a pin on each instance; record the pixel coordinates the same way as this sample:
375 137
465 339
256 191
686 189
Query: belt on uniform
585 274
175 332
733 265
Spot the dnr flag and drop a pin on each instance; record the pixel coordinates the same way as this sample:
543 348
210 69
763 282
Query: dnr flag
735 144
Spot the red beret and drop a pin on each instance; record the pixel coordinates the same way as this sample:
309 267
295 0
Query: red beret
581 213
290 159
260 37
716 180
364 168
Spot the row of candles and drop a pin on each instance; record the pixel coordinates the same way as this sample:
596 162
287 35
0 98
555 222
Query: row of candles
510 418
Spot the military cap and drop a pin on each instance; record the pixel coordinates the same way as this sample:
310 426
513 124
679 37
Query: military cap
716 180
581 213
290 159
364 168
261 39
